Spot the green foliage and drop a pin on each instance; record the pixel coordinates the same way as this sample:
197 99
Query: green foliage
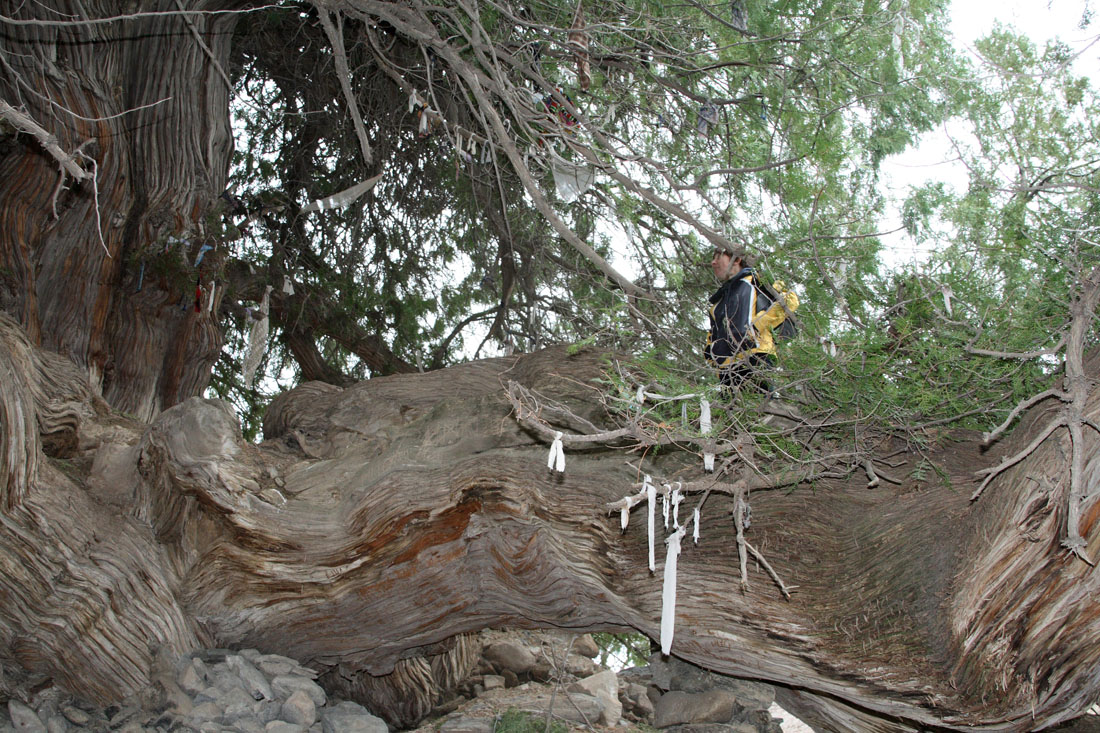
619 651
518 721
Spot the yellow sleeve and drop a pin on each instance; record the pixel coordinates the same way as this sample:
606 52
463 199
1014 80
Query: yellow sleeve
775 314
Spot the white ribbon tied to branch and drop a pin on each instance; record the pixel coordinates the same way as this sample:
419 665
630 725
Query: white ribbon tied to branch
556 461
704 428
343 198
629 503
695 531
668 593
651 497
677 497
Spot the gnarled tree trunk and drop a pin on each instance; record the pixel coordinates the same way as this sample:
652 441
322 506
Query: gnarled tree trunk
102 269
379 521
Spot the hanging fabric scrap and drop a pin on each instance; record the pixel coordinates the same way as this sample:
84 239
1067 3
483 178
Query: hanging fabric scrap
559 110
708 117
677 497
202 253
664 503
651 498
668 592
257 339
704 429
571 181
343 198
556 461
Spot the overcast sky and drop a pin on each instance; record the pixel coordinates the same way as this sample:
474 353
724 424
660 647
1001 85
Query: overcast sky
1042 20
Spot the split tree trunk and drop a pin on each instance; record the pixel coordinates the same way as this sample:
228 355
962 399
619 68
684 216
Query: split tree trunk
379 521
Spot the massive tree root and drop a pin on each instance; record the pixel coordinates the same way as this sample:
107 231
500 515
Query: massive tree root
379 521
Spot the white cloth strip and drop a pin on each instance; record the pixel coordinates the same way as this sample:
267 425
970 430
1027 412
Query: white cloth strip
668 592
556 461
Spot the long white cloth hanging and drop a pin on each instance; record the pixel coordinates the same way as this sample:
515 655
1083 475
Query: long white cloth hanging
695 527
257 340
677 497
664 503
556 461
668 592
651 498
704 428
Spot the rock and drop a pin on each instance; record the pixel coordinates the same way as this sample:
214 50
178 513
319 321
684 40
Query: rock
541 672
604 686
267 710
24 719
274 665
254 681
762 721
248 725
493 682
574 707
57 724
736 727
131 726
751 695
462 724
194 676
510 678
510 655
350 717
581 667
281 726
677 707
236 704
76 716
643 708
206 712
285 685
674 674
124 716
586 646
299 708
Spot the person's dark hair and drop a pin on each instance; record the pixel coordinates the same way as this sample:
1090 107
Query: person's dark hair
747 260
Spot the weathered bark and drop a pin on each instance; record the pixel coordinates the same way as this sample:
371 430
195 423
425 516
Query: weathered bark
101 270
379 521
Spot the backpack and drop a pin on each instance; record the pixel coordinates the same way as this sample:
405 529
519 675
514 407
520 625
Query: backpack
788 329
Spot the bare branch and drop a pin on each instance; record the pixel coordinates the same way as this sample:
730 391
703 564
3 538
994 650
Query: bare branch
48 142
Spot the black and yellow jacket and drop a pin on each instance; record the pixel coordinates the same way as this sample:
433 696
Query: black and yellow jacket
742 318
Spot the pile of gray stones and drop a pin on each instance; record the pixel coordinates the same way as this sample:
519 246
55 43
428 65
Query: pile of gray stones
546 675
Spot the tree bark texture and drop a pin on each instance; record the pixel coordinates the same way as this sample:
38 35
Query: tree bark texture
101 270
379 522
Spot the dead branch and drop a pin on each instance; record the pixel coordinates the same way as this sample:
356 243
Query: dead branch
48 142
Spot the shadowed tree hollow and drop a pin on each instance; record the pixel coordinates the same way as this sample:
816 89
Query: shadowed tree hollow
413 184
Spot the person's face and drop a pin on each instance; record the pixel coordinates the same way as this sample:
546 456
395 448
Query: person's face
724 266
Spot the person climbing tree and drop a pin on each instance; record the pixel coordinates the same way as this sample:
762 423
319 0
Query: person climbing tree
740 342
